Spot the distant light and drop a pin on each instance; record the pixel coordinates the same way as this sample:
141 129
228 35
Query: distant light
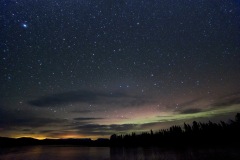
24 25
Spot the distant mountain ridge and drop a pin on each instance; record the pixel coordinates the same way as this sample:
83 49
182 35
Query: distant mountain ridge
25 141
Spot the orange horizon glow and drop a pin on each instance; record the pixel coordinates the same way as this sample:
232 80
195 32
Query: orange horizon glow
69 136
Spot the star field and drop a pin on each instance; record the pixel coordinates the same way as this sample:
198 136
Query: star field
90 68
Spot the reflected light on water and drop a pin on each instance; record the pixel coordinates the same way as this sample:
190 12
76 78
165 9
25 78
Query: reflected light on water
106 153
55 152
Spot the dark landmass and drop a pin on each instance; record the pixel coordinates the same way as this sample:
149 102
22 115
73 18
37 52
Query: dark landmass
27 141
196 135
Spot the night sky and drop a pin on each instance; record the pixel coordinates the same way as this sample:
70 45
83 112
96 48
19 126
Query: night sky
91 68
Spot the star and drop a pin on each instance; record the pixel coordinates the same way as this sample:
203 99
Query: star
24 25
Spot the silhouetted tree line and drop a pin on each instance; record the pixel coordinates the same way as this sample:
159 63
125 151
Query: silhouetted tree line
197 134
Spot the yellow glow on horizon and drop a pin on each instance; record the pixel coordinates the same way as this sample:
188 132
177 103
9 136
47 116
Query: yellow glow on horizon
39 137
68 136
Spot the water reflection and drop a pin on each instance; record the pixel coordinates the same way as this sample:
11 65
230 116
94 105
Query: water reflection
105 153
169 154
56 153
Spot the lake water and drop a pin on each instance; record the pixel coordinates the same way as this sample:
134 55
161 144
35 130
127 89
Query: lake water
106 153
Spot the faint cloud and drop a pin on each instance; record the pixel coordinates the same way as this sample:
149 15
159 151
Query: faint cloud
227 100
87 118
190 102
191 111
82 111
89 97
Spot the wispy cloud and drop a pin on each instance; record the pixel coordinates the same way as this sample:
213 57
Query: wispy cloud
89 97
190 102
227 100
190 111
112 128
82 111
13 118
87 118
